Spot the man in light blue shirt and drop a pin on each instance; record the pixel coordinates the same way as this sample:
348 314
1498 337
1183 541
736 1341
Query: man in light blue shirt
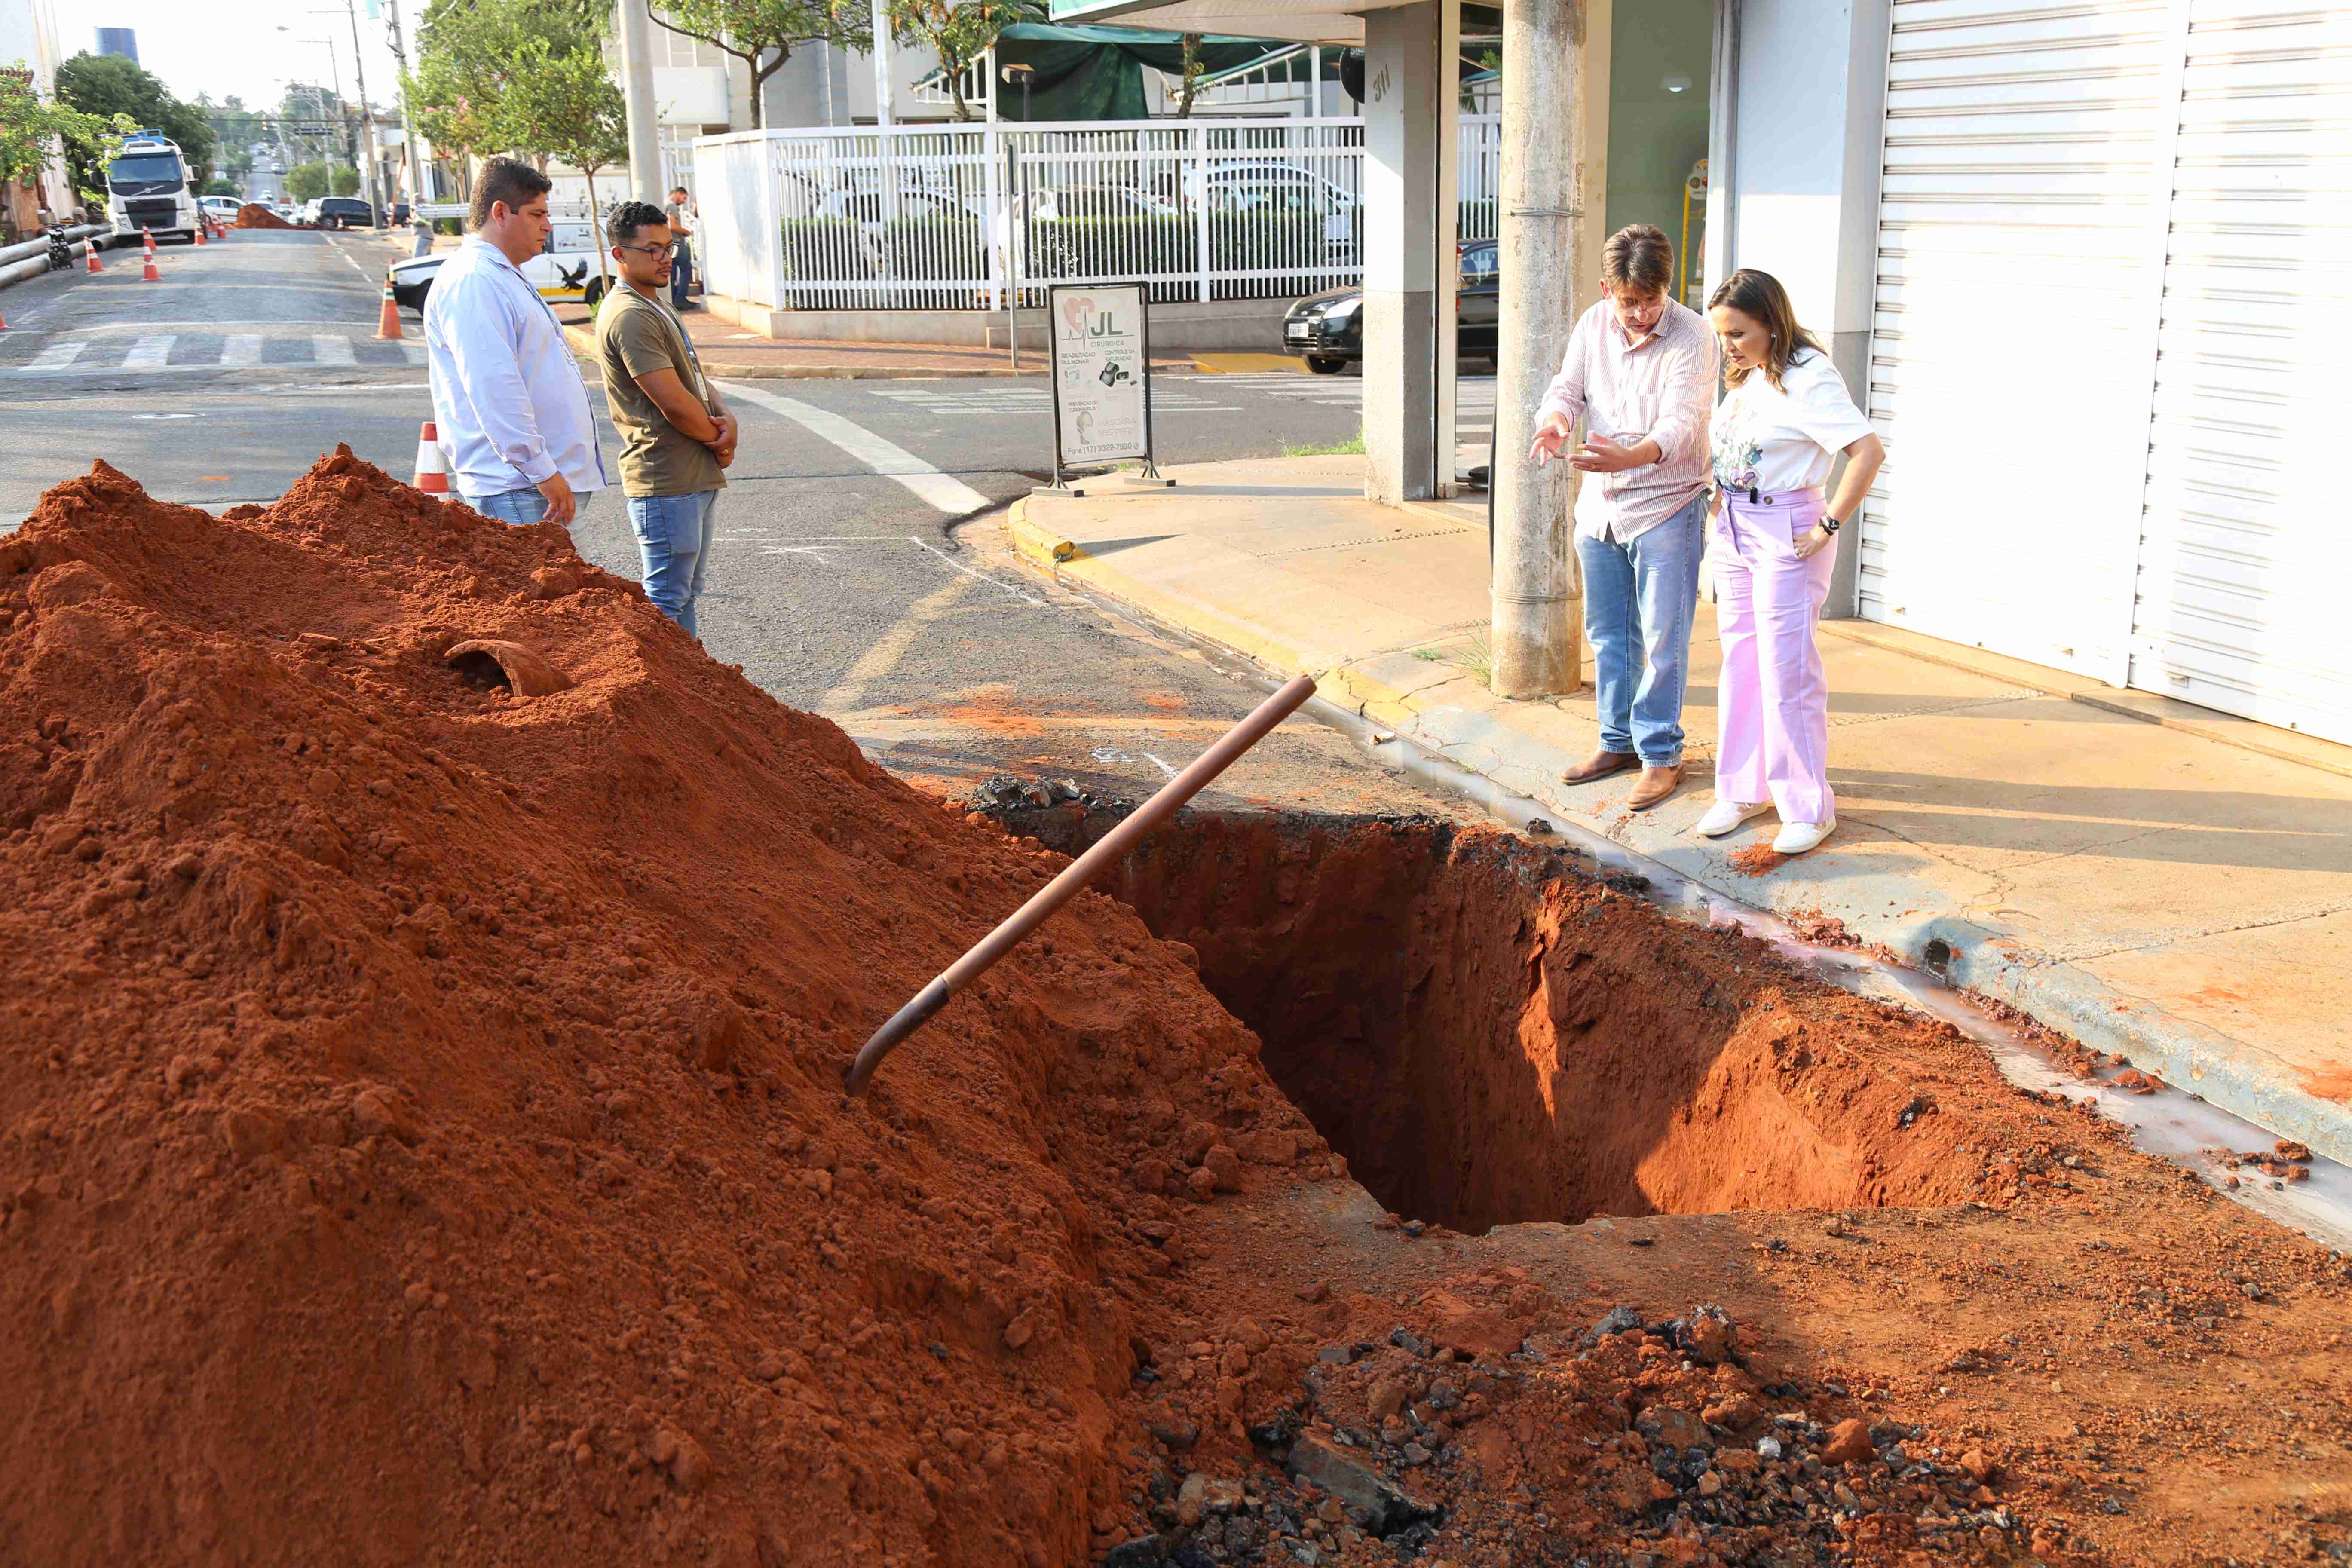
507 396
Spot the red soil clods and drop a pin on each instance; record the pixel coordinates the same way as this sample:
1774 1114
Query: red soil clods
420 1119
253 215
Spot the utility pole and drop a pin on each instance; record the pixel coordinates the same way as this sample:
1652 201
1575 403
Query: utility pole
409 160
882 64
637 98
1538 639
367 116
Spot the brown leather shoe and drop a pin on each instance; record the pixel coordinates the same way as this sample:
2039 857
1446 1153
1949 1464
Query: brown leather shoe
1655 785
1600 766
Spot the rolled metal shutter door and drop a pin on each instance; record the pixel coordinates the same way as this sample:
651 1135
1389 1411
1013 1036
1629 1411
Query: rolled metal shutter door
2012 345
2247 549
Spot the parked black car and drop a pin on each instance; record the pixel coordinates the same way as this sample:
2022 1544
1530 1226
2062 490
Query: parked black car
345 212
1329 328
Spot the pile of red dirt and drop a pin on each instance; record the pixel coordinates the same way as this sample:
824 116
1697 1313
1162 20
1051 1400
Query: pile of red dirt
421 1131
253 215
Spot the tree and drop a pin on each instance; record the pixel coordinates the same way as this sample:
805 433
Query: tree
958 32
469 54
220 188
306 182
108 85
1191 81
343 180
563 102
31 128
748 30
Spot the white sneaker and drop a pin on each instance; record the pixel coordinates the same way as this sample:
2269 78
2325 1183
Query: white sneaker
1725 815
1796 837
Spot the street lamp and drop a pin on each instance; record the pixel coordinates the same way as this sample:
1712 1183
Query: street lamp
1018 72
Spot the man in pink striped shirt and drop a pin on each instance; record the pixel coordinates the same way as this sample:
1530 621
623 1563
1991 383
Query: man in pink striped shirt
1640 374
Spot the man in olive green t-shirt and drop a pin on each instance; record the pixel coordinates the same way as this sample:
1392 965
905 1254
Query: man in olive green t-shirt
676 434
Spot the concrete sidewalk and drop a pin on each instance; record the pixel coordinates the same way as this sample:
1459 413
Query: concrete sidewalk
2156 879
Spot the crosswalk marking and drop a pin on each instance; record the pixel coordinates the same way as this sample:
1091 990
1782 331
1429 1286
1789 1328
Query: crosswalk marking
154 349
57 356
332 351
245 348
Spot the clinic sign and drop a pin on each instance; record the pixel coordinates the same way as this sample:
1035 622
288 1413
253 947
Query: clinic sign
1099 345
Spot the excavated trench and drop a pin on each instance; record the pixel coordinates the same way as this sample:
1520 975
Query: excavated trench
1492 1036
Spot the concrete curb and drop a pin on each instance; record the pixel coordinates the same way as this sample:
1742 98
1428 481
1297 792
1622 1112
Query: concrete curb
1985 957
584 346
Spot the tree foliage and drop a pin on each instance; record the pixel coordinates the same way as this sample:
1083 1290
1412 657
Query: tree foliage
108 85
470 55
563 101
958 32
750 29
31 128
306 181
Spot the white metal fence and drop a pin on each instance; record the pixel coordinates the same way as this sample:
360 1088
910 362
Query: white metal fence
970 217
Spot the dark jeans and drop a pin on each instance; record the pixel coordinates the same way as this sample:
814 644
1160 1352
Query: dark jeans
681 272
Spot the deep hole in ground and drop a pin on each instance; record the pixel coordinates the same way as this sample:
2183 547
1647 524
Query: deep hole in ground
1491 1036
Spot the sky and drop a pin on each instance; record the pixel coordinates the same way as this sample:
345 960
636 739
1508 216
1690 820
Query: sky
233 47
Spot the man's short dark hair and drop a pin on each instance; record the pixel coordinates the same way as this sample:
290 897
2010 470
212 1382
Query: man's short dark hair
1639 256
678 189
508 180
630 217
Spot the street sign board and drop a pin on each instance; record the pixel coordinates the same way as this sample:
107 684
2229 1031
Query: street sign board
1099 347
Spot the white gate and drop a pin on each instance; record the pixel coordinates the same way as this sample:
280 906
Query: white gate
953 216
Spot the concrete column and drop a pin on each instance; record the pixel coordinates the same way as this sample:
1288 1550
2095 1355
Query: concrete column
1403 93
1538 640
637 99
1808 129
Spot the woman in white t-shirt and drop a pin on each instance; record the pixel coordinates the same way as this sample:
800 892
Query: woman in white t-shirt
1776 434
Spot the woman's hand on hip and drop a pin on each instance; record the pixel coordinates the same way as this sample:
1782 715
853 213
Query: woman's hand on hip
1812 543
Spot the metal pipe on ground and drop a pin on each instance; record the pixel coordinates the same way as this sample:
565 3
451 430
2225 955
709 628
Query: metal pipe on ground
24 250
1538 640
33 267
1107 852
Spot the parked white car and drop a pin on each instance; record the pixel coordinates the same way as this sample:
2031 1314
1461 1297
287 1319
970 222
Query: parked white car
566 269
222 209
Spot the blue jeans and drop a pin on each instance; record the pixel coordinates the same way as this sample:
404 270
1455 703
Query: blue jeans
673 538
523 507
681 273
1639 598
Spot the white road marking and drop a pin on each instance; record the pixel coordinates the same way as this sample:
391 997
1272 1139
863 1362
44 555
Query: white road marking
953 564
242 348
325 350
883 658
948 493
57 356
152 350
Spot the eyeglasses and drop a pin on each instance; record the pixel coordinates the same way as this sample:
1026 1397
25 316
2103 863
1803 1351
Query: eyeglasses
647 249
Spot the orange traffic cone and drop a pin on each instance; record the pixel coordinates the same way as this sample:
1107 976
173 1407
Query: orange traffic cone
151 275
432 471
90 253
388 324
201 225
148 237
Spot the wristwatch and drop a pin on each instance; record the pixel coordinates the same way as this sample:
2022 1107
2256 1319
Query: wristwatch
1831 524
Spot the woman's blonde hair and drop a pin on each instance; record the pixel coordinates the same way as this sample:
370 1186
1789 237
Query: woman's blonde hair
1759 297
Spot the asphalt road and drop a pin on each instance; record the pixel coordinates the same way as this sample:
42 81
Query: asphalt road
837 588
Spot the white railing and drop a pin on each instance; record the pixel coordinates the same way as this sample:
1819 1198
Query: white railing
967 216
979 89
